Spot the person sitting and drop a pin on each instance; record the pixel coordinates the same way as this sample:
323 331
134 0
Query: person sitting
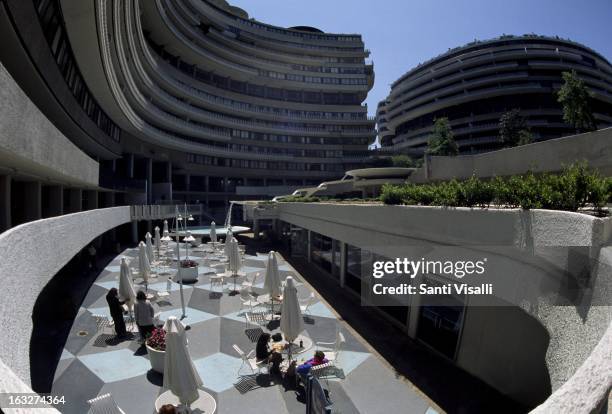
167 409
144 314
264 353
116 311
318 359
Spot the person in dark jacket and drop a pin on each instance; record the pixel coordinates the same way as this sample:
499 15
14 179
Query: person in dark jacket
264 353
116 311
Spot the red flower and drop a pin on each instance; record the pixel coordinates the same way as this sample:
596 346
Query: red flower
157 340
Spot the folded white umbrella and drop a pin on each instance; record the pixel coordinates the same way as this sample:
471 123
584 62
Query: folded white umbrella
291 323
144 267
165 231
235 262
213 232
228 239
149 244
157 240
180 375
272 283
126 287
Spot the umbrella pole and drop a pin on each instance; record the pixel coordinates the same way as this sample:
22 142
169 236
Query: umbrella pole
180 275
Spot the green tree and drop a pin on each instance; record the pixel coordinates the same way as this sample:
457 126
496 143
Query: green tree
513 129
574 98
403 161
442 140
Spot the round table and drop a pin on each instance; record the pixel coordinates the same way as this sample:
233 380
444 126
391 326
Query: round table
205 402
295 349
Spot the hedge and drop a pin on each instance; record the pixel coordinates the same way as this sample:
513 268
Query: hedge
574 188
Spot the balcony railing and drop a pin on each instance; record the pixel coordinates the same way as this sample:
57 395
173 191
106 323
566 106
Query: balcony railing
159 211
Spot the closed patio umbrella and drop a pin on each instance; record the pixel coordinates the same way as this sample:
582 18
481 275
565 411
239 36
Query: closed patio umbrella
144 267
228 238
157 240
272 283
235 262
126 287
165 230
291 323
213 232
149 244
180 375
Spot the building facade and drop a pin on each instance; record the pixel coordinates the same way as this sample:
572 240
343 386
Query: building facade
475 84
192 100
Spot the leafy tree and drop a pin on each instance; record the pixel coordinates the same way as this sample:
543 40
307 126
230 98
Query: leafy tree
442 140
574 97
403 161
513 129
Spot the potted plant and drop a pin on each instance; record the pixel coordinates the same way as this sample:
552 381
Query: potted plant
189 271
156 348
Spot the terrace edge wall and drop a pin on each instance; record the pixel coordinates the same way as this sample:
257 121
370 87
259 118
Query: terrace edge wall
56 240
368 225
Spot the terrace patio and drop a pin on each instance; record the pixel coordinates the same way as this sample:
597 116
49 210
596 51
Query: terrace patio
94 363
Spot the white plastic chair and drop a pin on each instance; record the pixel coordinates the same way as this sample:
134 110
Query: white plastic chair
246 300
250 283
165 293
104 404
309 301
256 317
336 346
250 361
217 279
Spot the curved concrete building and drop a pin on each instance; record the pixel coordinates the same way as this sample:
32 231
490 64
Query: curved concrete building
192 100
473 85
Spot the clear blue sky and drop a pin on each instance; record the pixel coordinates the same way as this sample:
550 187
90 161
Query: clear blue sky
402 33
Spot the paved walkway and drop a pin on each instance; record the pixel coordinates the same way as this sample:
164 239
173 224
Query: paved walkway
95 363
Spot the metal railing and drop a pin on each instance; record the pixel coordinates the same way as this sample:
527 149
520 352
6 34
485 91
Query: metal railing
159 211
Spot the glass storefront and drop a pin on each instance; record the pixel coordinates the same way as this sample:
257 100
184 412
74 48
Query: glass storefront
321 251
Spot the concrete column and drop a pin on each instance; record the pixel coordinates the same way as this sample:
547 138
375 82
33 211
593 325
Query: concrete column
207 184
75 200
342 263
55 202
5 202
134 231
90 200
149 175
225 182
414 310
308 248
33 197
130 165
256 229
187 182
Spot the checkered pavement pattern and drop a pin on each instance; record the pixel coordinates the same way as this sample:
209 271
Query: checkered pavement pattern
96 362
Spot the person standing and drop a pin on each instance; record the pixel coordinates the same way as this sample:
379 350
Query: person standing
144 314
116 311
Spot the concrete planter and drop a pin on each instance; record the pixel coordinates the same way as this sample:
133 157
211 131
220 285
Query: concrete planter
189 274
157 359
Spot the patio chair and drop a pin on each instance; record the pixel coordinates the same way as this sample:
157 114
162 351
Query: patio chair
250 361
165 293
217 279
309 301
250 283
246 300
256 317
104 404
102 322
336 346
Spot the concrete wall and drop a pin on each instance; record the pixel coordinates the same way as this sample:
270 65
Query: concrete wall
31 144
32 254
594 147
526 350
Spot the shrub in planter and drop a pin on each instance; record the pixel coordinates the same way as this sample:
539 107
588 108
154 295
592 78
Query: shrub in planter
157 340
188 263
392 194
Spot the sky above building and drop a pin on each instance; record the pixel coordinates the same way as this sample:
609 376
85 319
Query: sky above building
403 33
